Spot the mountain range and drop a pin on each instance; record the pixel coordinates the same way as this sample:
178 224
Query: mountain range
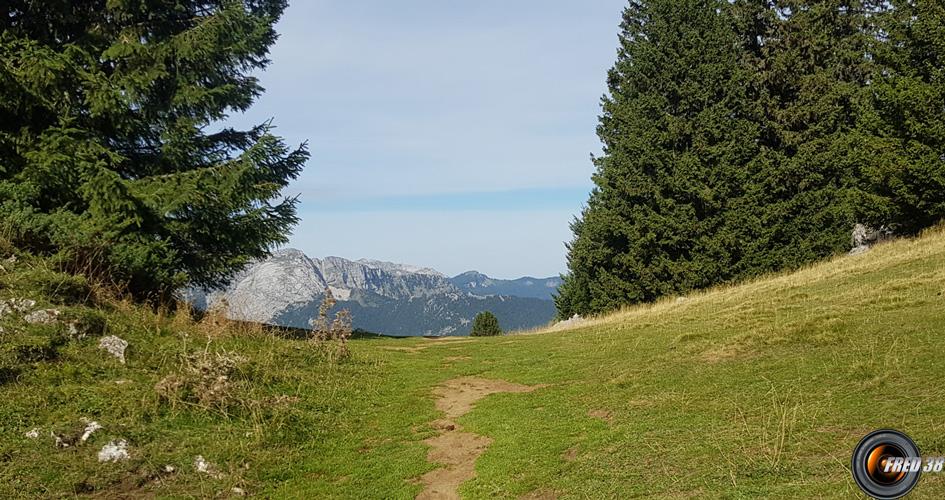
479 284
386 298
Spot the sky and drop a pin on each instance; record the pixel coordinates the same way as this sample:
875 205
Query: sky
455 135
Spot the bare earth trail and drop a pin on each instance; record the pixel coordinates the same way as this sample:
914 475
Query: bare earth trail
428 344
456 450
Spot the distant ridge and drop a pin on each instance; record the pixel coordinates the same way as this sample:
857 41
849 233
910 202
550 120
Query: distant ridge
384 297
480 284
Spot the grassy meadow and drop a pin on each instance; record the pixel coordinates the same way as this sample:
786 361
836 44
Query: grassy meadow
755 390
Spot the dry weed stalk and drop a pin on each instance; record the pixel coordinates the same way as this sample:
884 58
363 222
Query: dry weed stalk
332 336
204 380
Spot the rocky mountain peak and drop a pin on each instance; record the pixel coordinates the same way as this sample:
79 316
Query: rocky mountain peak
394 281
393 268
287 288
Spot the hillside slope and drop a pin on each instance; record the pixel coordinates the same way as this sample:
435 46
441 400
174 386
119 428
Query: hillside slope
761 389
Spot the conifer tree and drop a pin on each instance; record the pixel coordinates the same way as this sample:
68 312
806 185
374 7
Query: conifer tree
830 114
806 181
111 153
678 129
904 163
485 324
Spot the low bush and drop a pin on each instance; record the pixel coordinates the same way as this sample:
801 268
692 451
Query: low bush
485 325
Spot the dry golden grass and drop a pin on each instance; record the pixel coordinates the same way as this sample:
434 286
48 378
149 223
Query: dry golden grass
762 290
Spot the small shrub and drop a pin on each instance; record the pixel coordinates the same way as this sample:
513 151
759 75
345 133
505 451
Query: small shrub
82 323
8 374
59 288
485 325
35 349
6 248
25 345
40 343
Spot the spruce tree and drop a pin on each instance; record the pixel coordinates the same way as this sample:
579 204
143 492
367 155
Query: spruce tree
830 114
485 324
111 153
807 179
904 163
678 128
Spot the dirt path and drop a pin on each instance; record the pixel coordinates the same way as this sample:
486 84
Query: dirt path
431 343
456 450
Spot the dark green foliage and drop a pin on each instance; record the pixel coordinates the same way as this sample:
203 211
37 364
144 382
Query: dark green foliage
485 325
85 322
34 349
678 129
61 288
747 137
806 181
904 160
111 156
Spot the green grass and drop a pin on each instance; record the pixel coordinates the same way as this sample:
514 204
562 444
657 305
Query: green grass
761 389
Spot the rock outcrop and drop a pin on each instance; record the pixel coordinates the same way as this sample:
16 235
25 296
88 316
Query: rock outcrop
114 451
114 346
864 237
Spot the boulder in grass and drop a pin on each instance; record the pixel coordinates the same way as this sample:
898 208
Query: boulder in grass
90 429
21 306
864 237
114 451
114 346
203 466
43 317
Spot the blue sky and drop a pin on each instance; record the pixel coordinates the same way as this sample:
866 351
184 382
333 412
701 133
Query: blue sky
454 135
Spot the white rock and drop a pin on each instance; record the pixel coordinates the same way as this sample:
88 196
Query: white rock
42 317
170 469
114 451
115 346
340 293
572 322
21 306
863 237
59 442
858 250
89 430
240 492
33 434
202 465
